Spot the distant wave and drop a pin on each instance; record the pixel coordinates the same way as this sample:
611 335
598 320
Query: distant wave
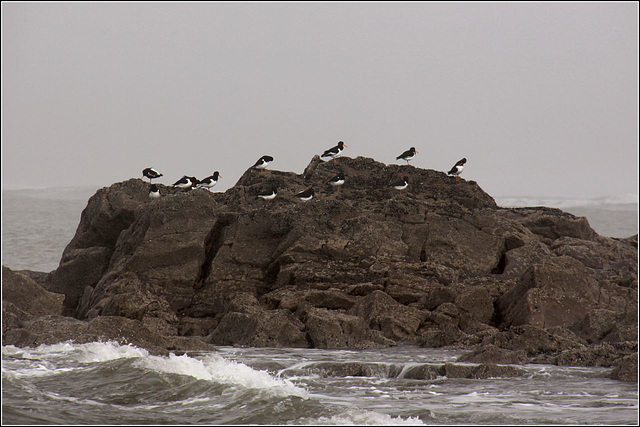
53 193
629 201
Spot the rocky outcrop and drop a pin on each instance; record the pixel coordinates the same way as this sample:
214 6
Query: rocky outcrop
414 372
56 329
626 369
438 264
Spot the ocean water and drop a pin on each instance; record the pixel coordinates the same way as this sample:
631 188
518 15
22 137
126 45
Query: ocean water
108 383
609 216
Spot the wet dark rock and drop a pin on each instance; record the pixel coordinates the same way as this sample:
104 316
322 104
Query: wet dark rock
557 292
354 369
482 371
494 354
475 305
598 355
23 293
445 335
422 372
56 329
533 340
626 369
335 330
491 370
438 264
381 312
289 298
271 328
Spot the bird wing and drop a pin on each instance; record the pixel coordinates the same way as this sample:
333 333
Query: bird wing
331 151
403 155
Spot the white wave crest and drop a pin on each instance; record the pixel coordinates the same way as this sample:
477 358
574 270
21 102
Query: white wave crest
215 368
362 417
83 353
55 359
58 358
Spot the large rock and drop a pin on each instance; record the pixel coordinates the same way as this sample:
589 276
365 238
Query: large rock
626 369
438 264
56 329
381 312
494 354
273 328
23 299
28 296
557 292
334 330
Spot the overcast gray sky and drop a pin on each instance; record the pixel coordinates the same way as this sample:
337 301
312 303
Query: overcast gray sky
541 98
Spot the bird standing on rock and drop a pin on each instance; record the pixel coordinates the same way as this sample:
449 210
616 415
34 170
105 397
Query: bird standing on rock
457 169
334 152
263 162
154 192
268 195
408 155
337 180
305 195
186 182
209 181
151 173
401 185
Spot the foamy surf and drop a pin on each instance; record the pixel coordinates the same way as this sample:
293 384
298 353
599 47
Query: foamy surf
362 417
44 360
213 367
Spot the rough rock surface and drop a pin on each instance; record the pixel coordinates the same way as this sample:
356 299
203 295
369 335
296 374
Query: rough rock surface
438 264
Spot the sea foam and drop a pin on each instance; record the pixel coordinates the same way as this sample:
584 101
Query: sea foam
362 417
211 367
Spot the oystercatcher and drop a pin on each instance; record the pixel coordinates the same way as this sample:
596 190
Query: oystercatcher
268 195
337 180
457 169
151 173
408 155
305 195
209 181
401 185
186 182
154 192
263 162
334 152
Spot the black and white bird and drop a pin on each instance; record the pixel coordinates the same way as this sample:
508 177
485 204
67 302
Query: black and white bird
263 162
401 185
337 180
186 182
151 173
457 169
268 195
306 195
154 192
334 152
408 155
209 181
